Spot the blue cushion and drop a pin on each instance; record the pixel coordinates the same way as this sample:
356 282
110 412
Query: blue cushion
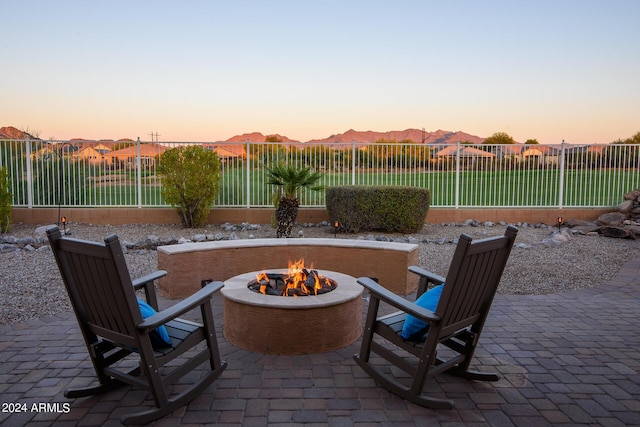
161 337
414 327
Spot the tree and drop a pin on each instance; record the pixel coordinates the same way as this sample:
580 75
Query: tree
288 181
531 141
635 139
499 138
190 182
272 138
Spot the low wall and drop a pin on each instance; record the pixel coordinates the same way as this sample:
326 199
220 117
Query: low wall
188 264
115 216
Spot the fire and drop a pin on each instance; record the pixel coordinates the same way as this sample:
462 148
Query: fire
263 280
297 281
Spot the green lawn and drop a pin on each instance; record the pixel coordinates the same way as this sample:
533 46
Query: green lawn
522 188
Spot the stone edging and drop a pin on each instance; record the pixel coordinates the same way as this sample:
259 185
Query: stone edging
190 263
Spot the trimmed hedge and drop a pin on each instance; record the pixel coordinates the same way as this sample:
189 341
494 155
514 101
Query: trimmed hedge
397 209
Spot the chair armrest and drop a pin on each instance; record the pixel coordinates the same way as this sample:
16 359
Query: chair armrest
149 278
170 313
426 277
146 282
398 302
431 277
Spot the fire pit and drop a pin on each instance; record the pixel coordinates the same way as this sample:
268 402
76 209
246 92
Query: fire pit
300 324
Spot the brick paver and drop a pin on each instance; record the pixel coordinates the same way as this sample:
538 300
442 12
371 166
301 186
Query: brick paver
565 359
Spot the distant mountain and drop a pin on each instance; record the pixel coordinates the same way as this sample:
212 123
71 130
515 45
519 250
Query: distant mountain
415 135
439 137
257 137
9 132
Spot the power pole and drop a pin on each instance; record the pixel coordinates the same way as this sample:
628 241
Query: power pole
154 134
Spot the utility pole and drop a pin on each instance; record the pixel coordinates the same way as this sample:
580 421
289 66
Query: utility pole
156 134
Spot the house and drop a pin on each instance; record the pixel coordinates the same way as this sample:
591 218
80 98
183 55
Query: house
94 155
466 152
149 152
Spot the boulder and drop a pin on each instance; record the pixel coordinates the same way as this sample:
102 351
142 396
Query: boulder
611 218
635 229
633 195
626 206
580 223
617 232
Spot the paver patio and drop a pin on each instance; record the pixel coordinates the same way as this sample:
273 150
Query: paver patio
566 359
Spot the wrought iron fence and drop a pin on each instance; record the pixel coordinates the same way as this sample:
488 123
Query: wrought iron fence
123 173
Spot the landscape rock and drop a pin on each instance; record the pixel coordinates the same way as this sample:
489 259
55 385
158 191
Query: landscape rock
626 206
633 195
7 247
580 223
42 230
611 218
10 240
617 232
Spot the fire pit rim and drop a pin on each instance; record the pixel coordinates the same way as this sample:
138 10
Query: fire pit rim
235 289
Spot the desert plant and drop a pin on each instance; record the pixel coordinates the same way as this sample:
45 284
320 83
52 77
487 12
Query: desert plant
288 180
394 209
190 182
5 201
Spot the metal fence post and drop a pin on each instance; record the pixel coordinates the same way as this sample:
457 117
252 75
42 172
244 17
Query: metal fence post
248 174
353 162
29 172
561 180
139 177
457 198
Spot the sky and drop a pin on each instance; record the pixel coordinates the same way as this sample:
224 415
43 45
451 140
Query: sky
194 71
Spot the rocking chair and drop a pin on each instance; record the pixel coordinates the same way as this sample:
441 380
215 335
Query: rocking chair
452 329
123 346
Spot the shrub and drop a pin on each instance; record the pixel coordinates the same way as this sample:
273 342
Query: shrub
386 208
5 201
190 182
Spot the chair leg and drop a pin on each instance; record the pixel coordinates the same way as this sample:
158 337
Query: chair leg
473 375
367 336
74 393
177 402
402 390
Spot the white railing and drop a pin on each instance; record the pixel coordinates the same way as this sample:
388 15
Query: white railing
123 174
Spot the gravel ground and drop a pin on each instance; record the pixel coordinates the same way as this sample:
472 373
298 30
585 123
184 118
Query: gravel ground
543 260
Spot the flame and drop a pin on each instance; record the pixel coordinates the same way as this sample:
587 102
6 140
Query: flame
296 277
263 279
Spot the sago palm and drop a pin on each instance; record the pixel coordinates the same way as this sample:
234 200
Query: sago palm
288 181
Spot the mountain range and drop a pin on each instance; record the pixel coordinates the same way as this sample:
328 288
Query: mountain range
439 137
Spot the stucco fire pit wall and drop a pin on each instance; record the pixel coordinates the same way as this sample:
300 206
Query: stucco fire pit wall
292 325
188 264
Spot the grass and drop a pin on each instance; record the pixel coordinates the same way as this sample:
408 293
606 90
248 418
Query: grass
520 188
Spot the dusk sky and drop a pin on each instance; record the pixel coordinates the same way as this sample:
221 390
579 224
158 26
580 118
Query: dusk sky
209 70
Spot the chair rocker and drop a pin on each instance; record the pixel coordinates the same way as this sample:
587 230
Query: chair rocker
120 342
453 330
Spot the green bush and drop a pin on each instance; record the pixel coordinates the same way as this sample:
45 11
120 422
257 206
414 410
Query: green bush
5 201
190 182
386 208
